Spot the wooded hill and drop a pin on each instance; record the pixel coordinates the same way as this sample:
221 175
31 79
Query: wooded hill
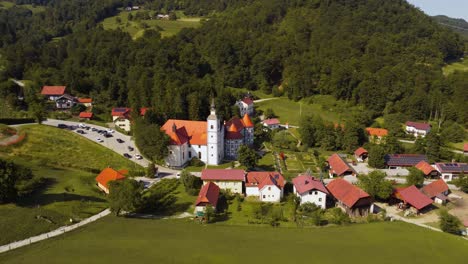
385 55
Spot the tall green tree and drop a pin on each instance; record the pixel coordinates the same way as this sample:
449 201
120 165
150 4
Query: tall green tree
377 156
247 156
449 223
124 196
376 185
151 141
415 177
433 147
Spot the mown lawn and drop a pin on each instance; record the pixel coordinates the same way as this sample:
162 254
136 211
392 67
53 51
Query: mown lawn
136 28
120 240
456 66
69 163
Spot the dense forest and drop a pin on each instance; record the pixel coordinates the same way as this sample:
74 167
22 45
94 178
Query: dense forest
384 55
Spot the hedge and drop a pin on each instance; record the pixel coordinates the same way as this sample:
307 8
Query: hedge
15 121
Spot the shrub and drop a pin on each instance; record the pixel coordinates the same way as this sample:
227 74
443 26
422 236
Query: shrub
449 223
337 216
191 183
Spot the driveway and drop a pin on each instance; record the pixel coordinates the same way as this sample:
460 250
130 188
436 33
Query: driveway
363 168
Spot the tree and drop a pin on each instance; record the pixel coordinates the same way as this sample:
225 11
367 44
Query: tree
247 156
376 185
269 113
191 183
280 139
124 195
392 145
449 223
37 110
151 141
337 216
151 171
209 213
433 145
14 181
77 109
377 157
462 182
415 177
419 146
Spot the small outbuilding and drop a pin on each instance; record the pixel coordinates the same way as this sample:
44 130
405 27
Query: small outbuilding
208 195
427 169
86 115
339 167
352 199
107 175
437 191
361 154
413 197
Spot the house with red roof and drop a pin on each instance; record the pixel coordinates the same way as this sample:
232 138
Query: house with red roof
437 191
417 129
411 196
271 123
427 169
208 195
88 102
53 92
107 175
86 115
65 101
465 148
268 186
376 135
121 116
310 190
361 154
338 167
353 200
451 171
230 180
246 106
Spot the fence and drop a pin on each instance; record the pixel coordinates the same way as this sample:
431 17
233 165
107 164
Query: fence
54 233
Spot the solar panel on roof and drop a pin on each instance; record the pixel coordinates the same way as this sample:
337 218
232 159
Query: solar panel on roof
119 109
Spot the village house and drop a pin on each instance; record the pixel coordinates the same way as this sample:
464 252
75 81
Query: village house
338 167
229 180
398 161
267 186
417 129
310 190
437 191
361 154
246 106
350 198
465 148
53 92
107 175
208 195
88 102
376 135
86 115
271 123
65 101
411 196
427 169
451 171
121 116
210 141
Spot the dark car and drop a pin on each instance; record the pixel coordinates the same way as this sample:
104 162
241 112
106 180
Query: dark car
94 129
107 135
80 132
128 156
130 148
119 140
62 126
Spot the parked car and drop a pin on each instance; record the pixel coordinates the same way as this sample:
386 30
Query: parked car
94 129
178 175
79 131
81 125
107 135
130 148
109 130
128 156
120 140
62 126
138 157
99 140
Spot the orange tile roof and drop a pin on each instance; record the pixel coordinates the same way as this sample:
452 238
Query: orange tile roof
347 193
107 175
435 188
86 115
186 131
247 122
425 167
338 165
85 100
209 194
53 90
379 132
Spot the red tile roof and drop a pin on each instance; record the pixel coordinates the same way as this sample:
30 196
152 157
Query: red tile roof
465 147
182 131
435 188
143 110
107 175
209 194
378 132
338 166
419 126
86 115
360 151
425 167
305 183
414 197
85 100
53 90
246 121
222 175
263 178
346 192
247 100
271 121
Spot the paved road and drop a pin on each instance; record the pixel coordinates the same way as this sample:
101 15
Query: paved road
266 99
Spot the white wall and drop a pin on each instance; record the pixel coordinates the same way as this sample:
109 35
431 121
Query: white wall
270 193
233 186
316 197
252 191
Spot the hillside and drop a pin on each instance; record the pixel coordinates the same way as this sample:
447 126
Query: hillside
456 24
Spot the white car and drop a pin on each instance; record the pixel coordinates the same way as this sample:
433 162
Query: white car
99 140
82 125
110 130
138 157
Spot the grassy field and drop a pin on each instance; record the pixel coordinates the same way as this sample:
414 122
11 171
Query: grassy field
69 163
456 66
120 240
136 28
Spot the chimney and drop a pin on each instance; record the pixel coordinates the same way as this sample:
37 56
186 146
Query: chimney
174 127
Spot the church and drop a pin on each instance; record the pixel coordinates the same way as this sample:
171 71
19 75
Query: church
210 141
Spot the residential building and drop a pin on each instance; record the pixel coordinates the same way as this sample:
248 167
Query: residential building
107 175
411 196
267 186
465 148
121 116
417 129
86 115
437 191
271 123
88 102
246 106
53 92
376 135
338 167
353 200
398 161
361 154
208 195
427 169
229 180
310 190
65 101
451 171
